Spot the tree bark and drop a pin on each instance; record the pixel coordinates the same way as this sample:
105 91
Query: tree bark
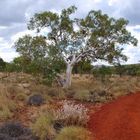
68 75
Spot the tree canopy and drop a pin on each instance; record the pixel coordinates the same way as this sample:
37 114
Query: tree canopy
96 36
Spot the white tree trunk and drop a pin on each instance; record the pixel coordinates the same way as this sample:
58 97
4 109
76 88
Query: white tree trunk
68 75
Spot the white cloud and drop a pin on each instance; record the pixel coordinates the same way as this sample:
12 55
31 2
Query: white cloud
112 2
8 56
7 53
131 51
21 34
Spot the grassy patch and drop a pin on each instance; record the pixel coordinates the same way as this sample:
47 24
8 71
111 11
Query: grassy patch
43 127
73 133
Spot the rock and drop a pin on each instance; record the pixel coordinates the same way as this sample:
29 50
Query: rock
58 125
26 85
27 91
36 100
5 137
20 85
15 131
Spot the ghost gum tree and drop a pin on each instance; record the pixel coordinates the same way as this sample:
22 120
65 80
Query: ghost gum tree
97 36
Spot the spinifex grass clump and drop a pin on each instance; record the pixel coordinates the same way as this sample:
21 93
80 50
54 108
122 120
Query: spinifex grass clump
74 133
7 107
14 130
43 127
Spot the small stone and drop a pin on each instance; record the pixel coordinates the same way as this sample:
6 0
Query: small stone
26 85
36 100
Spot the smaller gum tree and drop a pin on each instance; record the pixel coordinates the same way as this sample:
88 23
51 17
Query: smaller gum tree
96 36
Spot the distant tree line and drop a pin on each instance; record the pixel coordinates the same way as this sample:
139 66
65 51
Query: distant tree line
19 64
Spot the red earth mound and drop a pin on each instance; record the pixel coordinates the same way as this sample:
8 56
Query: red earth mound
118 120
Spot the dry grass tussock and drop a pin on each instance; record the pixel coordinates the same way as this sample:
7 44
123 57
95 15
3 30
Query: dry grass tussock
7 106
18 87
69 117
74 133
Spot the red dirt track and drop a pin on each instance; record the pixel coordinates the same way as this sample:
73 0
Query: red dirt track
118 120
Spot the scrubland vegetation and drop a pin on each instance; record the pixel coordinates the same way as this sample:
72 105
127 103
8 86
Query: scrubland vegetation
48 92
55 112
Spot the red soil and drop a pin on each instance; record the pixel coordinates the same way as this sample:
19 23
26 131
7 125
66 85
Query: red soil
118 120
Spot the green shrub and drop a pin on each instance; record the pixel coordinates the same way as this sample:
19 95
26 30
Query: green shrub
56 93
53 92
73 133
82 95
5 113
21 97
43 127
70 93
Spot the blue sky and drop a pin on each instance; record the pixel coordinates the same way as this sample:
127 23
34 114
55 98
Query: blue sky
15 14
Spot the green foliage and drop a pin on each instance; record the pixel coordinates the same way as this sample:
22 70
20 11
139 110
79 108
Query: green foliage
19 64
102 72
120 69
2 65
12 67
51 67
33 48
133 69
97 36
33 51
37 58
96 31
83 67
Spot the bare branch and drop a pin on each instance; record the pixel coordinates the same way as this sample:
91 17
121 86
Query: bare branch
86 53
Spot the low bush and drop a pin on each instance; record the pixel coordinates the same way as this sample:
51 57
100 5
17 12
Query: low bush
36 100
53 92
70 93
82 95
99 96
72 114
91 95
5 113
74 133
21 97
56 93
43 127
